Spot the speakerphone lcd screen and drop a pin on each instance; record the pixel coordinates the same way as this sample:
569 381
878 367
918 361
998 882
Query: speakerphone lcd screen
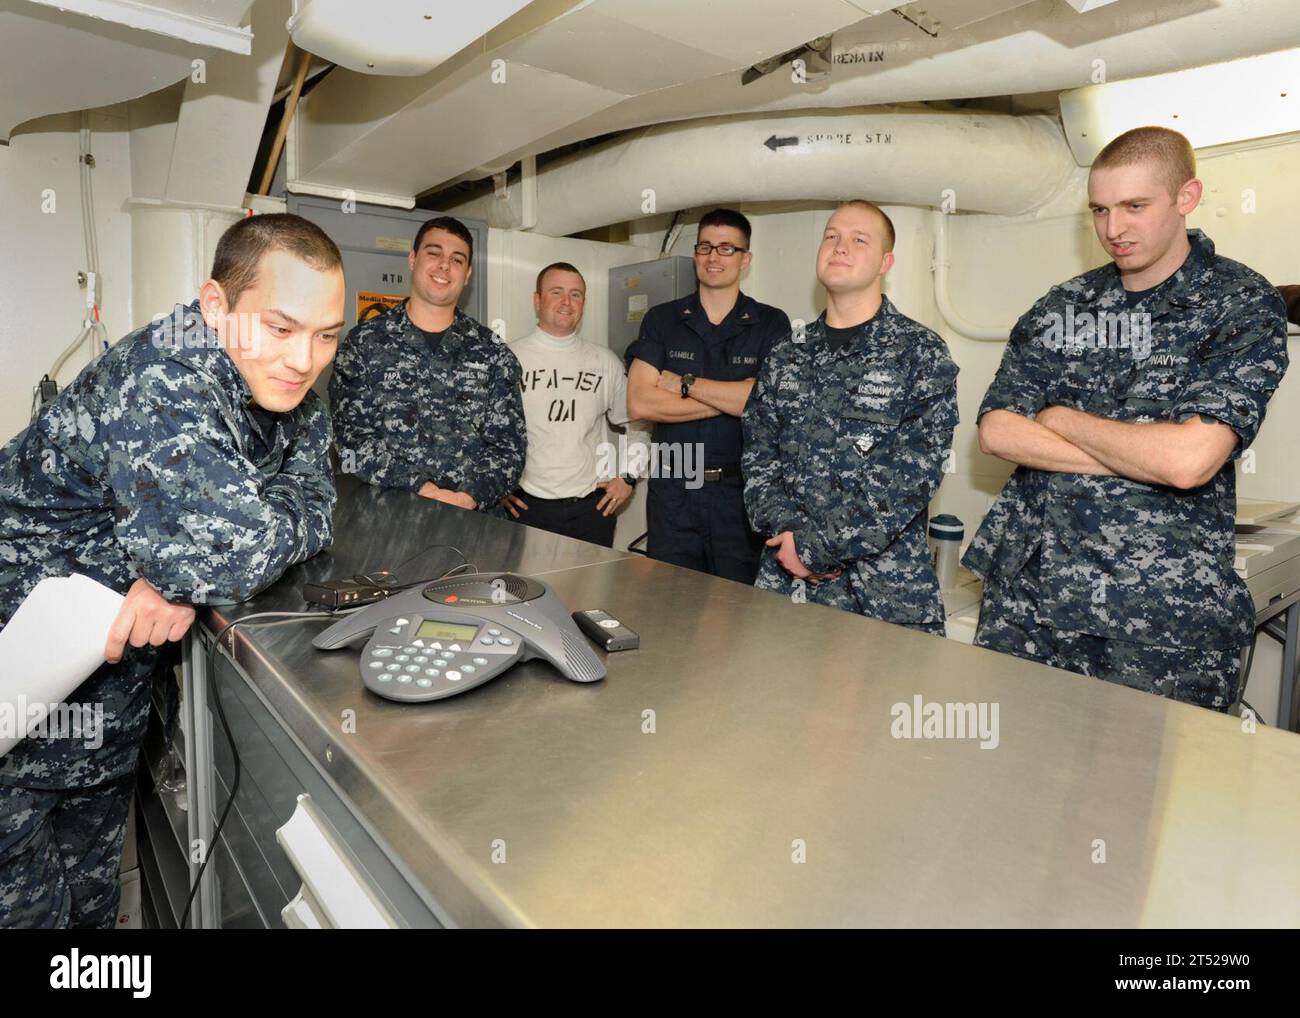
433 630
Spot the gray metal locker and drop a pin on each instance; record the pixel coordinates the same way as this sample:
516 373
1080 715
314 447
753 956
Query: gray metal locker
635 289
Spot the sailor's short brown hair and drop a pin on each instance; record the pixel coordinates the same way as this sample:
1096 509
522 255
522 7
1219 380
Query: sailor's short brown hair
1169 152
862 203
240 249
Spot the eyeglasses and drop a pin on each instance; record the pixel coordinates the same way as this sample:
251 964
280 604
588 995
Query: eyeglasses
726 250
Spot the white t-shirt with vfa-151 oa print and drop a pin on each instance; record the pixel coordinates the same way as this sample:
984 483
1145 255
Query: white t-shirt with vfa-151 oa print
568 386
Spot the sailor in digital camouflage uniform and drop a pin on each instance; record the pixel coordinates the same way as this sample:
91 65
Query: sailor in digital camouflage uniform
846 437
178 474
1110 550
424 397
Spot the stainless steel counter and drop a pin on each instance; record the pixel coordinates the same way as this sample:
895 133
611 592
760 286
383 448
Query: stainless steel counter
772 743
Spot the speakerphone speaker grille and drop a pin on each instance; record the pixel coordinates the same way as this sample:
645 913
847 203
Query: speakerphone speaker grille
520 588
517 587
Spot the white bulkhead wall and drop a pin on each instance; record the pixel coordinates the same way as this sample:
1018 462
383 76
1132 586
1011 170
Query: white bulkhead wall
41 305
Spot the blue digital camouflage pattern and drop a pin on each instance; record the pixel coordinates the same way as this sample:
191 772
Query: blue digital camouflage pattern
1206 678
60 855
846 449
150 464
404 414
1121 559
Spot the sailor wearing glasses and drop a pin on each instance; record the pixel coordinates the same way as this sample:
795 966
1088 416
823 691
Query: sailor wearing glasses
690 371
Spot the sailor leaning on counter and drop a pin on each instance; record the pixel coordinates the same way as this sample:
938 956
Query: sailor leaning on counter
188 465
846 436
1109 552
424 397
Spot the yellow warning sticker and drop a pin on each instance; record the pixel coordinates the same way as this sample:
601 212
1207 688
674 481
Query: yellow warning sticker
372 305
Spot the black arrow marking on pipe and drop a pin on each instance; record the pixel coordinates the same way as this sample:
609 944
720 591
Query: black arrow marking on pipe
775 143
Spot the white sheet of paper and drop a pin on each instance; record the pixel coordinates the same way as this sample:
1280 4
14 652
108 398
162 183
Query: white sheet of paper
53 643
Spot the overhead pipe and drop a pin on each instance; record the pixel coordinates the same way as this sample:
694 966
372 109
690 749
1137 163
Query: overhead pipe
290 107
1008 165
943 299
528 193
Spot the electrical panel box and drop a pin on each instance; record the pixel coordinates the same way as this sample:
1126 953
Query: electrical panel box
375 241
635 289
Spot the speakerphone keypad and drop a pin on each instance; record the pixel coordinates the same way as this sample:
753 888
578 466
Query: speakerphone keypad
422 666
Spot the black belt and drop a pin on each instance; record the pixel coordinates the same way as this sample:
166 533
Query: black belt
722 473
557 501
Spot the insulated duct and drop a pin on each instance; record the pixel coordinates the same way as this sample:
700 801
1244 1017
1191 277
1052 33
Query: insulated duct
1007 165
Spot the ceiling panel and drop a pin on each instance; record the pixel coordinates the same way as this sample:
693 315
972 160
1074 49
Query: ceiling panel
42 49
435 140
955 14
403 136
211 23
593 47
741 33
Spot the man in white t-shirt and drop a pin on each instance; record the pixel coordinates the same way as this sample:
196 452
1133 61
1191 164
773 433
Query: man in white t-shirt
569 388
